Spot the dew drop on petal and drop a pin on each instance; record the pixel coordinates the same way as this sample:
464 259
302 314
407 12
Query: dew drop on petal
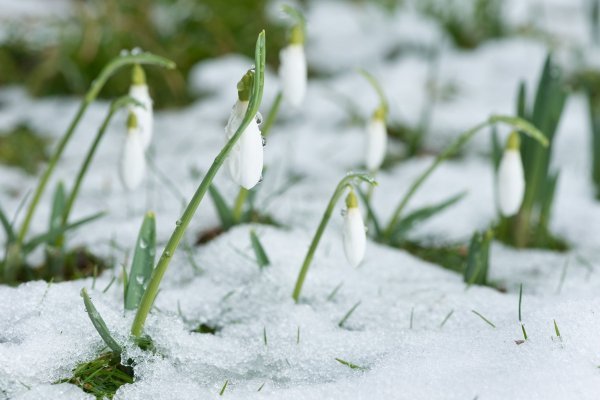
343 212
259 118
143 244
264 141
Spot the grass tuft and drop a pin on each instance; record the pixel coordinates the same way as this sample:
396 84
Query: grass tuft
102 376
445 319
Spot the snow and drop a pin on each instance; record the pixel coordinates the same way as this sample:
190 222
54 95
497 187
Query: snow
45 331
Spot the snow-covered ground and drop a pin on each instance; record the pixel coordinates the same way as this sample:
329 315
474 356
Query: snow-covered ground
396 333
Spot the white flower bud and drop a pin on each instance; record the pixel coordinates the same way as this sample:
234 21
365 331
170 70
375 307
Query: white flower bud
376 143
292 72
511 178
355 237
133 162
144 114
139 91
245 161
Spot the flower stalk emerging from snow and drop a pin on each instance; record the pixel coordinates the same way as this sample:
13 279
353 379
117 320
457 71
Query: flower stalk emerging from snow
133 162
292 69
245 162
355 237
346 182
511 178
97 85
182 224
144 111
514 122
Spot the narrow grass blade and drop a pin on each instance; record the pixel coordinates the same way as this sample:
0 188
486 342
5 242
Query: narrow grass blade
446 319
349 364
487 321
224 211
520 298
49 236
224 387
348 314
99 323
556 329
261 256
422 214
334 291
524 331
477 267
142 263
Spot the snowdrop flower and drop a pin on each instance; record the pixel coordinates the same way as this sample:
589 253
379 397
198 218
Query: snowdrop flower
292 68
245 161
355 238
133 163
139 91
376 140
511 179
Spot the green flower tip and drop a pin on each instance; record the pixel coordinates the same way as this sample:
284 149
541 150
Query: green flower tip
380 113
244 86
489 234
514 141
132 121
150 214
138 76
351 200
297 34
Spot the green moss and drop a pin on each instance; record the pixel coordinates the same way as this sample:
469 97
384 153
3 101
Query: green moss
23 148
102 376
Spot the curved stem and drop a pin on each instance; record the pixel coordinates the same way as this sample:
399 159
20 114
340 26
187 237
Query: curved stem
339 190
116 105
97 84
182 224
452 149
371 79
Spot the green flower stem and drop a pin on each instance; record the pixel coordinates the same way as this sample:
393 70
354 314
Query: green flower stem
451 150
114 107
182 224
339 190
266 128
105 74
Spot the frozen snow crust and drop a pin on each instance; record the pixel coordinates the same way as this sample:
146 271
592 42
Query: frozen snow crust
45 332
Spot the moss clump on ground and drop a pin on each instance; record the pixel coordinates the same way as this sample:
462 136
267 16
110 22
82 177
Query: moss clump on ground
102 376
23 148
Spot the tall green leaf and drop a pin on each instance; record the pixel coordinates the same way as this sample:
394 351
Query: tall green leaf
8 229
476 270
58 206
142 263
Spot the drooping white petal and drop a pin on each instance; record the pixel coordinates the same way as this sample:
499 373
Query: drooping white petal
133 163
292 72
376 143
511 182
144 114
355 237
245 161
